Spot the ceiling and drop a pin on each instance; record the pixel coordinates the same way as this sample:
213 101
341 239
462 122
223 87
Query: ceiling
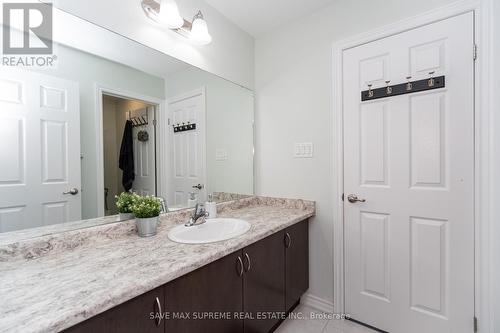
260 16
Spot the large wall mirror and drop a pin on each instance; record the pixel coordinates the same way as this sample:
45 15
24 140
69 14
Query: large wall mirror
113 115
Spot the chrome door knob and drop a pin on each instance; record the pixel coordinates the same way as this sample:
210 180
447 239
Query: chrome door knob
73 191
354 198
199 186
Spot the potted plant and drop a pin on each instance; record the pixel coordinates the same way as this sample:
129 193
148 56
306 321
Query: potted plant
124 203
146 210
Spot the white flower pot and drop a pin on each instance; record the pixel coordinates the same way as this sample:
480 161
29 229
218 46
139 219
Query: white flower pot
125 216
147 227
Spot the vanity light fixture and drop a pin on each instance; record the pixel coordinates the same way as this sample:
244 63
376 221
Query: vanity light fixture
199 30
169 14
166 12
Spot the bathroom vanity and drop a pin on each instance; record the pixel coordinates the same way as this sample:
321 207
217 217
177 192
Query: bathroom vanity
107 279
115 116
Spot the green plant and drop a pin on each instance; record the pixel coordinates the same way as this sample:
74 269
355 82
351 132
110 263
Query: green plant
146 207
125 201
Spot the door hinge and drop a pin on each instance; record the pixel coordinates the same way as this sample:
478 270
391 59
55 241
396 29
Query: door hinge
169 121
342 196
475 324
154 122
475 52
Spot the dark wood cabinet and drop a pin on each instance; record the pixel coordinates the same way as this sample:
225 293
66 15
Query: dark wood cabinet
264 284
296 263
97 324
213 290
247 291
140 314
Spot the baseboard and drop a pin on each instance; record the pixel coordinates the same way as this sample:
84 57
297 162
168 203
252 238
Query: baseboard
317 303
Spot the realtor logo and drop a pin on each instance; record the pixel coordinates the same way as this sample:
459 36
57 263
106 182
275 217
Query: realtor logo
27 31
34 21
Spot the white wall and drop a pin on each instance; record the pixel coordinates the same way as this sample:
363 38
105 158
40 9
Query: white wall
293 81
230 55
230 116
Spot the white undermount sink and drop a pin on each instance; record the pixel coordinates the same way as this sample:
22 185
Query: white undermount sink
213 230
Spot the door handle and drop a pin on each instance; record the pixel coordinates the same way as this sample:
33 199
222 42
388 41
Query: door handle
73 191
199 186
354 198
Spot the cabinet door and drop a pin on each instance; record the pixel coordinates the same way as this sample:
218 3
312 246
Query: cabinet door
135 315
213 290
297 262
264 283
132 316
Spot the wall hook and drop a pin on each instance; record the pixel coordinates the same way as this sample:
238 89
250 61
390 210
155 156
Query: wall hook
431 79
409 85
370 91
388 89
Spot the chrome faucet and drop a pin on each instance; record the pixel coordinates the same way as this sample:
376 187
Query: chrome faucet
199 212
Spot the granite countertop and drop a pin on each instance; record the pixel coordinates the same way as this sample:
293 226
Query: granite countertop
54 282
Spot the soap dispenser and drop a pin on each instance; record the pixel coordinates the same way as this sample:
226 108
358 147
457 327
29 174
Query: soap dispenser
192 201
211 207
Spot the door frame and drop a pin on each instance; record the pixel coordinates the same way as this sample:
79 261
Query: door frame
161 119
483 92
202 91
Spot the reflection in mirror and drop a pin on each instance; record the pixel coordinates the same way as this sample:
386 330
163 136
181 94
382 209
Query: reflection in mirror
100 121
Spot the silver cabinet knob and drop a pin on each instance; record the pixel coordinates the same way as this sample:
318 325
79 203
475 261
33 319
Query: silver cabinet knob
354 198
73 191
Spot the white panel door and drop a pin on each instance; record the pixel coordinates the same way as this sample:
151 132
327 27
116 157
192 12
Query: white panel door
39 149
409 249
144 155
188 151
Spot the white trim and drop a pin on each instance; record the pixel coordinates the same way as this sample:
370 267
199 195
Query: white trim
317 303
101 90
203 92
484 94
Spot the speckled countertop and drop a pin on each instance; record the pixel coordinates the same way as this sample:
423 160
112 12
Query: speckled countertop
54 282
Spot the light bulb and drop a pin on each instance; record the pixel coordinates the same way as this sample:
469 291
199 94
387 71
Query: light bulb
169 14
199 30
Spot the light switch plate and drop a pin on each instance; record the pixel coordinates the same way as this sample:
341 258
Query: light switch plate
303 150
221 154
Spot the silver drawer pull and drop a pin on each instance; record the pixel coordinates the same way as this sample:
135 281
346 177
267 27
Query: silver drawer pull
158 319
288 240
239 266
247 257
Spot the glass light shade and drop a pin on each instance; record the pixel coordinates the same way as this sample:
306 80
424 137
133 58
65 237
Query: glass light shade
199 31
169 14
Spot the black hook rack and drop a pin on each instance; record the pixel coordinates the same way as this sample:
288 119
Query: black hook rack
184 127
139 121
403 88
